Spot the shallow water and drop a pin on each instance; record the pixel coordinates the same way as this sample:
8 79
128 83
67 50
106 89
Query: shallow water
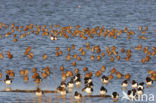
112 14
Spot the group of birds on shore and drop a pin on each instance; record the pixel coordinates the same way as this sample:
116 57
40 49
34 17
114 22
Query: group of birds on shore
76 81
75 76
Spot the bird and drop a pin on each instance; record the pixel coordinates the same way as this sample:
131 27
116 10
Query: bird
63 85
115 96
39 92
103 91
58 89
78 82
7 80
76 77
70 84
132 94
88 90
139 91
134 84
90 84
141 85
53 38
104 79
149 81
61 90
87 80
124 84
77 95
38 79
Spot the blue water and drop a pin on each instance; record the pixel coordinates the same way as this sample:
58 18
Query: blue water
86 13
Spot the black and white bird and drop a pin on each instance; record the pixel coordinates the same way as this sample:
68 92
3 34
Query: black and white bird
78 82
89 84
39 92
88 90
141 85
124 84
8 80
87 80
38 79
132 94
103 91
104 79
115 96
63 84
58 89
77 77
70 84
61 90
77 95
149 81
134 84
139 91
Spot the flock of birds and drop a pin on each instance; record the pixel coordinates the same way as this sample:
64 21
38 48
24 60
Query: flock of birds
76 78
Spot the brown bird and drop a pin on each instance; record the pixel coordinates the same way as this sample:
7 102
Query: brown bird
34 70
113 71
74 63
1 55
44 56
76 71
62 68
26 78
64 77
92 57
119 75
139 47
98 73
110 77
85 69
68 57
127 76
1 75
122 50
103 68
10 56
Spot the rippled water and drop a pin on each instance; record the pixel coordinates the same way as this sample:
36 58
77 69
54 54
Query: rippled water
110 13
